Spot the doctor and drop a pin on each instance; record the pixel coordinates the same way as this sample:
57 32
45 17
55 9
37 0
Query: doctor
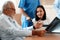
9 28
27 8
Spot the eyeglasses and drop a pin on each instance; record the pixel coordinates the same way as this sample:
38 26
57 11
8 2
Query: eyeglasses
10 9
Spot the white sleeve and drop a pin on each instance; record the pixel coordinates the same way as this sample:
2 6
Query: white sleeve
28 28
7 27
20 33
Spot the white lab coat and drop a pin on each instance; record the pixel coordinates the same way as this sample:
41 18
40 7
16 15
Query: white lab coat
10 30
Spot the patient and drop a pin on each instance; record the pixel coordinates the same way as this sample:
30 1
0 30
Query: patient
10 29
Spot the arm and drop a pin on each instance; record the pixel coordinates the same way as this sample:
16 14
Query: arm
21 6
20 32
15 32
23 12
8 28
29 28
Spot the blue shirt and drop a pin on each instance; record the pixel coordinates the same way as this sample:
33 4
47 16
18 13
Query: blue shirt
57 7
29 6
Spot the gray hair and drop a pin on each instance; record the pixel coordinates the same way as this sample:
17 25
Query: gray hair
7 5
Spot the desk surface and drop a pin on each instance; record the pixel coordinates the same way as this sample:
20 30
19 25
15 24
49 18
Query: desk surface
46 37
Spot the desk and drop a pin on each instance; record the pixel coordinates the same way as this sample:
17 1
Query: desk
46 37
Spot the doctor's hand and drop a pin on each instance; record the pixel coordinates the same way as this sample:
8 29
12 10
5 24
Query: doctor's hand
28 18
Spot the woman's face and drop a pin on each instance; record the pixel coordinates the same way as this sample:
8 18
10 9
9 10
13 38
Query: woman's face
40 12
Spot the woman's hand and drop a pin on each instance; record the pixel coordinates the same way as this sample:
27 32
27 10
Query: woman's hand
38 24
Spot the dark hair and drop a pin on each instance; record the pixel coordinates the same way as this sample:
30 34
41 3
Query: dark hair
44 16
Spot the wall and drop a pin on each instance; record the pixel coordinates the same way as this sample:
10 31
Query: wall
49 7
47 2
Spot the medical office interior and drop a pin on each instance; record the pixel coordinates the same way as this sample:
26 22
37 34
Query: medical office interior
50 11
48 4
